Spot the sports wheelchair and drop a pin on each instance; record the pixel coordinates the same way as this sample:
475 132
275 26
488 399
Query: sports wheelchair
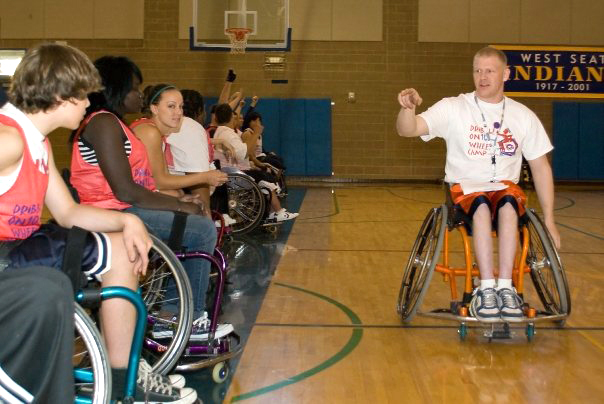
247 203
536 256
165 270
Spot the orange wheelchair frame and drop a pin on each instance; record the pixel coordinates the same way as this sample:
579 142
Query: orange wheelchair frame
536 256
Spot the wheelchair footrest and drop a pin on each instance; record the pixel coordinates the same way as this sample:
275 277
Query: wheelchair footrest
198 356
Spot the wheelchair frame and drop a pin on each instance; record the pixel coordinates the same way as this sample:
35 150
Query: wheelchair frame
98 375
178 351
536 256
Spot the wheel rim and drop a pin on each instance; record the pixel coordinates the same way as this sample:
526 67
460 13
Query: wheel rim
546 268
90 355
421 262
164 271
246 203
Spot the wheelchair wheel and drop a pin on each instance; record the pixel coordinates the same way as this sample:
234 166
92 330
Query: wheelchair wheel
546 268
164 271
421 262
92 371
246 202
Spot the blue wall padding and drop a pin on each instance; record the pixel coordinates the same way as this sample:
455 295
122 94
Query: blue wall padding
591 141
565 158
297 129
578 141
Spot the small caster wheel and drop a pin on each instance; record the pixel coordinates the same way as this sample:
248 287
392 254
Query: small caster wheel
530 332
220 372
463 332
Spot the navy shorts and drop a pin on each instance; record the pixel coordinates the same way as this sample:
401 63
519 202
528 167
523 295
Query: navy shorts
46 247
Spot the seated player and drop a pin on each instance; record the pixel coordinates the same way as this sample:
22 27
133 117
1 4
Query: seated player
49 91
192 151
487 134
241 161
110 168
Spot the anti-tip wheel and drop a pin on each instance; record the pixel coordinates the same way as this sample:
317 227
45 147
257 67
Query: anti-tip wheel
220 372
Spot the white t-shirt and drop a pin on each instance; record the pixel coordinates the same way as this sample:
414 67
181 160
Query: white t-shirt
189 147
239 160
470 148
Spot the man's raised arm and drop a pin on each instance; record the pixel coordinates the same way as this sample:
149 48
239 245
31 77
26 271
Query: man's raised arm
407 123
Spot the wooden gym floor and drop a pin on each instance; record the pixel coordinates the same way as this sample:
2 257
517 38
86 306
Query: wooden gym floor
327 330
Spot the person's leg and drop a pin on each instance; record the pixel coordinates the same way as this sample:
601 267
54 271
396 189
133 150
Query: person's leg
199 235
510 303
483 242
484 305
118 334
36 333
507 233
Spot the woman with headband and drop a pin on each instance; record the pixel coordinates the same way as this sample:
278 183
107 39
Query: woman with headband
110 168
164 106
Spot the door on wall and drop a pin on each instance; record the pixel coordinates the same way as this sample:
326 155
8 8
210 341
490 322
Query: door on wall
578 141
297 129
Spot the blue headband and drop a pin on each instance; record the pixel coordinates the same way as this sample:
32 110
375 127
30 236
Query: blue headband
158 93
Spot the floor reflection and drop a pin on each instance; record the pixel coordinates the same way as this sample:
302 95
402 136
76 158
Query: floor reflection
252 260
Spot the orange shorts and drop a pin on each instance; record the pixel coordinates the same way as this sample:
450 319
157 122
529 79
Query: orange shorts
495 199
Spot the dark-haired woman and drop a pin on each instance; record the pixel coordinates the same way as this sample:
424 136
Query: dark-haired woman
110 168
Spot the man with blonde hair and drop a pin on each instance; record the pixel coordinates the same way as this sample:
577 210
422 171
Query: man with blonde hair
487 134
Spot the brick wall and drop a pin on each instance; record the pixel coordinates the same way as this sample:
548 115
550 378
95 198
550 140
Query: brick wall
365 143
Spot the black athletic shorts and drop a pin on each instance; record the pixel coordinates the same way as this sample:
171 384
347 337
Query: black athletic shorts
46 247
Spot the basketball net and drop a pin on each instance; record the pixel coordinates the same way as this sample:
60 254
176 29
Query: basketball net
238 38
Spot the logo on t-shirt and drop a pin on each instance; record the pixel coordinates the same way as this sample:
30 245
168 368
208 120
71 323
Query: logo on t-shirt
482 144
507 145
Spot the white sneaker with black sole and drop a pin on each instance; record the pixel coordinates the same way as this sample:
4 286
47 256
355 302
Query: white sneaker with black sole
150 389
176 380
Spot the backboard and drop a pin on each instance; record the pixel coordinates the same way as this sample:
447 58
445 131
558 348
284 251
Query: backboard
268 21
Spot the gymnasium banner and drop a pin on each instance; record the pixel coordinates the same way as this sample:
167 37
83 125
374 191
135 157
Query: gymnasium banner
567 72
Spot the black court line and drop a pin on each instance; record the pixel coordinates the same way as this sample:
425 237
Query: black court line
420 327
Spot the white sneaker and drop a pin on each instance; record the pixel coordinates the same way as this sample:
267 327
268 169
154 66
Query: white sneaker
228 221
282 215
150 389
201 329
145 370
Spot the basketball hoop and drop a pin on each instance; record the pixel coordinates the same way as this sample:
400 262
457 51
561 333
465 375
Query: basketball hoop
238 38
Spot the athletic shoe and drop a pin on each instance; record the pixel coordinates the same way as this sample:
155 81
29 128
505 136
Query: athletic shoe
199 332
176 380
282 215
510 305
228 221
150 389
484 305
201 329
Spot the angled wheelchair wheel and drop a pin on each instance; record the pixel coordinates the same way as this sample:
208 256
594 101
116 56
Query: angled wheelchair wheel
547 272
421 262
165 272
92 372
246 202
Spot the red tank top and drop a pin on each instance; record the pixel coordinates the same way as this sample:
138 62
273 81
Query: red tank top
21 206
89 181
168 157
